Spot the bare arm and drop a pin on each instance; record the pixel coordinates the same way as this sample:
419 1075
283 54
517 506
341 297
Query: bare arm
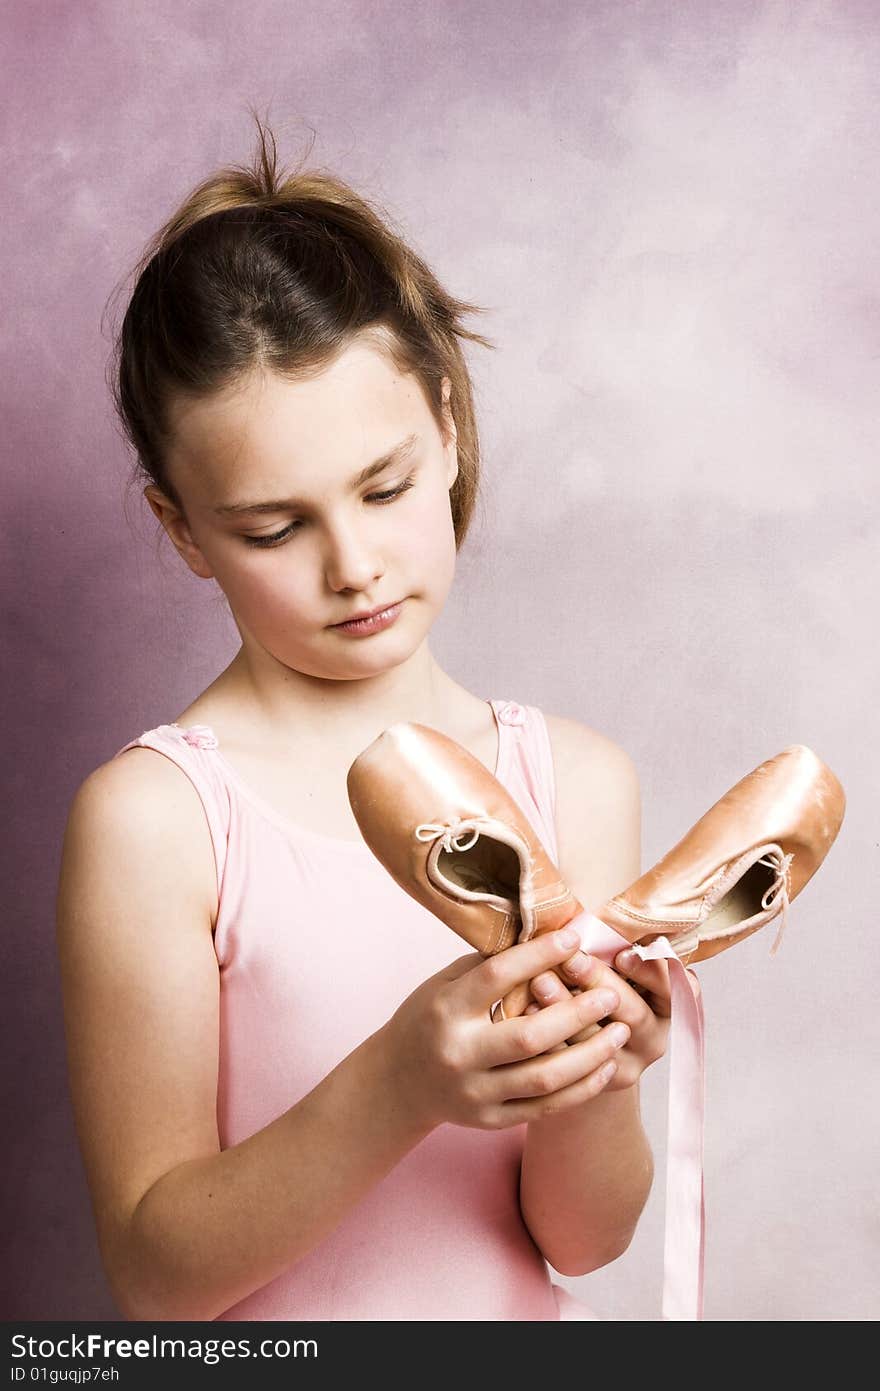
214 1229
186 1230
586 1173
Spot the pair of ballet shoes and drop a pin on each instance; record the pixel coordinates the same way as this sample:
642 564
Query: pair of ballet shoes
452 836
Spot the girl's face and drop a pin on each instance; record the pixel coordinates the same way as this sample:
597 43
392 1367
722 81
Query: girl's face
326 544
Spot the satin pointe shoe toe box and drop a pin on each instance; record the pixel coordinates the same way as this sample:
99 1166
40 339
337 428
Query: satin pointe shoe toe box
742 863
452 836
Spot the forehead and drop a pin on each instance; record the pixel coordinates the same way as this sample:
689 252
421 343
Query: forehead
273 435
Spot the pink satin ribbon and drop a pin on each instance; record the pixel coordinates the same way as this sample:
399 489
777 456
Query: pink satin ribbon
685 1199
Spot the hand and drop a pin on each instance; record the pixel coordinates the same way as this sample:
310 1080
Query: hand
449 1061
643 1005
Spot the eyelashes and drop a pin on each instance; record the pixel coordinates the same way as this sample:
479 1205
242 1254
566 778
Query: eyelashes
277 537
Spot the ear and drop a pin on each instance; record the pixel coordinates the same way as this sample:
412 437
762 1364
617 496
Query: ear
451 432
177 527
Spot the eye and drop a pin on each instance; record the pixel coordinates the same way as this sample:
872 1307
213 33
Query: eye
272 540
277 537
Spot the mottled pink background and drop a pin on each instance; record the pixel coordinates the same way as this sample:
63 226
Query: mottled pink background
672 211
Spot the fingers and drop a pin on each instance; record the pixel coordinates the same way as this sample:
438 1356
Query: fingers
587 1032
533 1033
579 1069
581 972
498 974
650 977
638 1006
533 1009
516 1001
521 1110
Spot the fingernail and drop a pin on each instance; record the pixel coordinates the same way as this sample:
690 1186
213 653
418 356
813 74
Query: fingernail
568 937
618 1035
580 961
609 1000
626 958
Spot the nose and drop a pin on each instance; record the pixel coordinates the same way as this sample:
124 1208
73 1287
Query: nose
352 560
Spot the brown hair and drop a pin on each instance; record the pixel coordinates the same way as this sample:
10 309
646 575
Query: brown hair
256 270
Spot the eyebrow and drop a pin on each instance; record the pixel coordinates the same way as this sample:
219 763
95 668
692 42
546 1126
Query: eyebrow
396 455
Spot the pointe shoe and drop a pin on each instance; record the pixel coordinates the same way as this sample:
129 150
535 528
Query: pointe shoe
742 864
454 838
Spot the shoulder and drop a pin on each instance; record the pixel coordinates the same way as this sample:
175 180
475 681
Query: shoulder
135 786
598 810
578 749
140 808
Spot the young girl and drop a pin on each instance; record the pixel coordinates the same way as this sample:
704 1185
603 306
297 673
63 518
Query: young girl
291 1099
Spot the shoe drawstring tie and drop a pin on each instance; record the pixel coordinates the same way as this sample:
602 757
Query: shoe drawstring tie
780 862
454 835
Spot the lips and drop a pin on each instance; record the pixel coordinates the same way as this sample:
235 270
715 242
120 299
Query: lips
366 627
359 617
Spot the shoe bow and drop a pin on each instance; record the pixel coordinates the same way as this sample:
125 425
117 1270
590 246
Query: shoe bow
454 834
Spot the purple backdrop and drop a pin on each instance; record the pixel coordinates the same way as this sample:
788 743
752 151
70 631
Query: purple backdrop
672 210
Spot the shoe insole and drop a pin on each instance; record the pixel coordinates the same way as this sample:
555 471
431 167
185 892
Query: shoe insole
744 899
489 867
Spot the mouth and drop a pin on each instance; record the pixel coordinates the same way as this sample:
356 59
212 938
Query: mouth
369 613
371 622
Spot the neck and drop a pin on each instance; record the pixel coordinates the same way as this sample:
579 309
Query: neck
282 702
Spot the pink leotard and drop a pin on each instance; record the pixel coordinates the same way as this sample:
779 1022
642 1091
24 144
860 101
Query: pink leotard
442 1235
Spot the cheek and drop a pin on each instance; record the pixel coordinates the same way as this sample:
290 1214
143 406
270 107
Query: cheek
429 534
257 586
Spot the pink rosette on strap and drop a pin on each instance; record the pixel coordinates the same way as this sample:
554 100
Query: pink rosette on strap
511 713
200 736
